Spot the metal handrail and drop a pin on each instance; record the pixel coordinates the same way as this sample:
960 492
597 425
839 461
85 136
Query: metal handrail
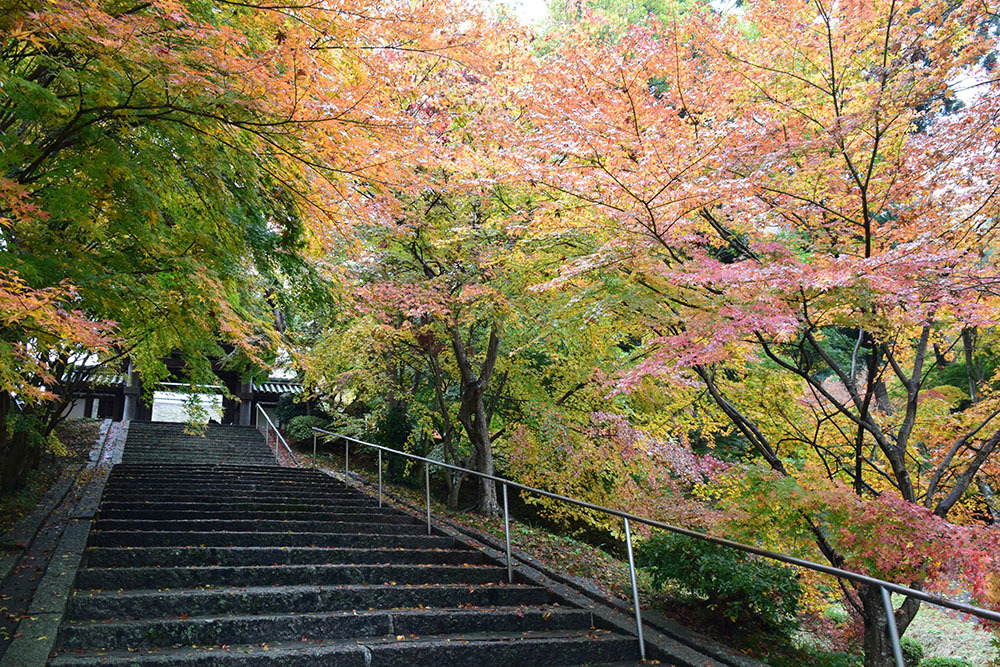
885 586
269 425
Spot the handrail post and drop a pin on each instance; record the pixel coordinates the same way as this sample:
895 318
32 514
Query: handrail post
427 491
890 619
380 478
314 449
506 535
635 590
347 454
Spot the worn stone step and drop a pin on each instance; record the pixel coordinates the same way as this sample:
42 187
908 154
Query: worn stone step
220 630
247 488
262 462
214 525
289 505
235 482
494 649
222 472
105 604
178 452
182 474
357 515
216 456
249 440
285 575
139 441
515 650
141 468
193 556
99 538
179 496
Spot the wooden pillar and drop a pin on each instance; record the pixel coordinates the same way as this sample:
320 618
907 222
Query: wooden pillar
131 410
246 403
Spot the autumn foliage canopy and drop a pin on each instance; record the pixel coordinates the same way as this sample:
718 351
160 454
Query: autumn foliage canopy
732 268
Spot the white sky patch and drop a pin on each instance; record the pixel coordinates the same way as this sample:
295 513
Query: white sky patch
530 12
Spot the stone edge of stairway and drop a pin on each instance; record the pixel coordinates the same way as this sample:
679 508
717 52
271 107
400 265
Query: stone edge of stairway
666 639
37 633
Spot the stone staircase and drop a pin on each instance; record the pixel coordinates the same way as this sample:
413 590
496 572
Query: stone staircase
200 564
163 442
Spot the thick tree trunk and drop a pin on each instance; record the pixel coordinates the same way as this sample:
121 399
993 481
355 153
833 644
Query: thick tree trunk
474 416
878 646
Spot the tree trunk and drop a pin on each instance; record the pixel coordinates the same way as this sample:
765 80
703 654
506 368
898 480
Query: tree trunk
991 501
474 416
878 647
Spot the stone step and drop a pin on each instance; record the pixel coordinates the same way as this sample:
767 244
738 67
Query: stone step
147 441
245 488
221 630
220 472
290 505
250 439
540 648
166 456
263 462
194 556
160 538
222 478
515 650
147 468
208 438
104 605
180 496
215 525
209 458
178 450
216 473
354 514
285 575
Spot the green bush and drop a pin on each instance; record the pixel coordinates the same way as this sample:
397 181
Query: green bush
944 662
913 652
746 590
299 429
393 430
813 657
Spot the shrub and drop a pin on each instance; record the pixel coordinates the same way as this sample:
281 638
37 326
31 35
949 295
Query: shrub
913 651
393 430
944 662
745 589
299 429
813 657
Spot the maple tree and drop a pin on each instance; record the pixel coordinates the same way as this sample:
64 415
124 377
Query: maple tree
167 163
429 300
815 215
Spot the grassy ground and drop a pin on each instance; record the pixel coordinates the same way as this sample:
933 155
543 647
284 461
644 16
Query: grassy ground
941 634
947 635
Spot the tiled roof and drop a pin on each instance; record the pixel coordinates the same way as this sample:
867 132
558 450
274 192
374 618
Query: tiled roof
278 387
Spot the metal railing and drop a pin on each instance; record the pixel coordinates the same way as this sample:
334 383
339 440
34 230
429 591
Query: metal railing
886 587
267 428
